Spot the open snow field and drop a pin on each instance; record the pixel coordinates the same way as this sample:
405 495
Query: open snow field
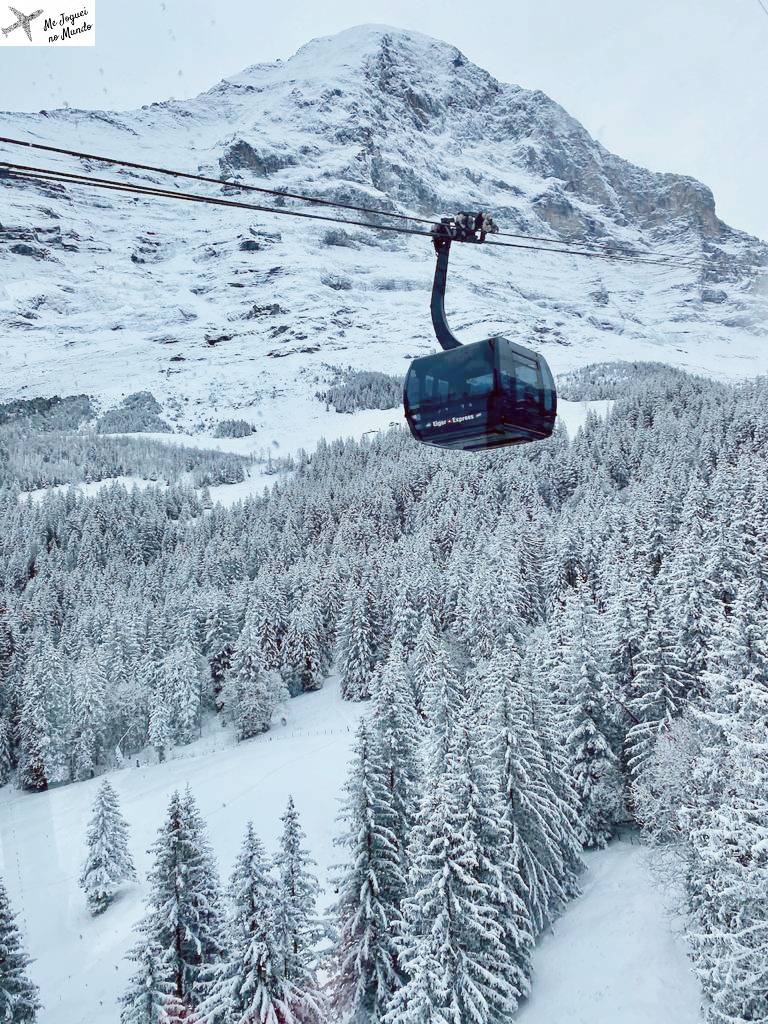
614 956
611 959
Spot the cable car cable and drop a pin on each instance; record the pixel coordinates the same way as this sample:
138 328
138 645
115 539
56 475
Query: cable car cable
212 181
306 198
25 172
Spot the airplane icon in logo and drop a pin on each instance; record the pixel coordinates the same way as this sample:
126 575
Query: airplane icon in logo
23 22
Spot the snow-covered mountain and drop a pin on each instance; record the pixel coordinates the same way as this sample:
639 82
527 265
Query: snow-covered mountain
215 310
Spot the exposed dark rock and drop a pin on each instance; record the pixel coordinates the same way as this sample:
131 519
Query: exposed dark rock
22 249
256 312
241 155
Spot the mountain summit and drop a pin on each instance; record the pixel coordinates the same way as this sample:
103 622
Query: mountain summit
216 310
433 130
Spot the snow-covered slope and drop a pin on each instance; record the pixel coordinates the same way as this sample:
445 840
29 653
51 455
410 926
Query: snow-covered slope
215 310
612 957
80 963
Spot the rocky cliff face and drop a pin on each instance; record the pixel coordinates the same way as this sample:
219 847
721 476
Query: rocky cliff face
108 294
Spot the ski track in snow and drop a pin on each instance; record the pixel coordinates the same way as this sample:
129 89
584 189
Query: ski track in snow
614 957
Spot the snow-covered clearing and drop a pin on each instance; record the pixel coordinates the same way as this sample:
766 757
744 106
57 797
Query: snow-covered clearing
614 956
574 414
330 426
80 964
87 489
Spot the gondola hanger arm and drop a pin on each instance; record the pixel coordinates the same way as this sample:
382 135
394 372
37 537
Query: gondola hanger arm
465 227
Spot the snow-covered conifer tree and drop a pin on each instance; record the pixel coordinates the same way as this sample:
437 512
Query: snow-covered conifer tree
185 918
252 693
219 639
19 1001
250 985
269 617
305 648
594 766
150 996
365 971
182 687
90 687
453 948
405 623
544 841
109 860
729 883
6 755
356 642
659 691
160 732
36 746
424 657
399 735
297 926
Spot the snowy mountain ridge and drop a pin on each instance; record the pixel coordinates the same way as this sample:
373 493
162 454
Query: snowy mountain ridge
217 312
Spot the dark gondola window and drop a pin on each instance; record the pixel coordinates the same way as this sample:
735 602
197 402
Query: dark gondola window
519 376
528 380
452 376
548 383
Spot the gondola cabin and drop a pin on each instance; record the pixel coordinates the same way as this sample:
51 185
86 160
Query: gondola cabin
483 395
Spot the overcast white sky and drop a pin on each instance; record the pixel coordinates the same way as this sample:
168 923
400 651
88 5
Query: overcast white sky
676 85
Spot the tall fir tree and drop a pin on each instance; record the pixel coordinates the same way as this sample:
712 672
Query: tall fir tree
356 642
594 766
544 840
6 750
182 686
426 646
297 926
36 746
252 693
218 642
90 687
399 733
729 882
185 917
160 728
365 971
659 691
454 947
150 997
305 651
250 986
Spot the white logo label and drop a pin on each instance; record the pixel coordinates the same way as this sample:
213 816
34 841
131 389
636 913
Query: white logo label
66 24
